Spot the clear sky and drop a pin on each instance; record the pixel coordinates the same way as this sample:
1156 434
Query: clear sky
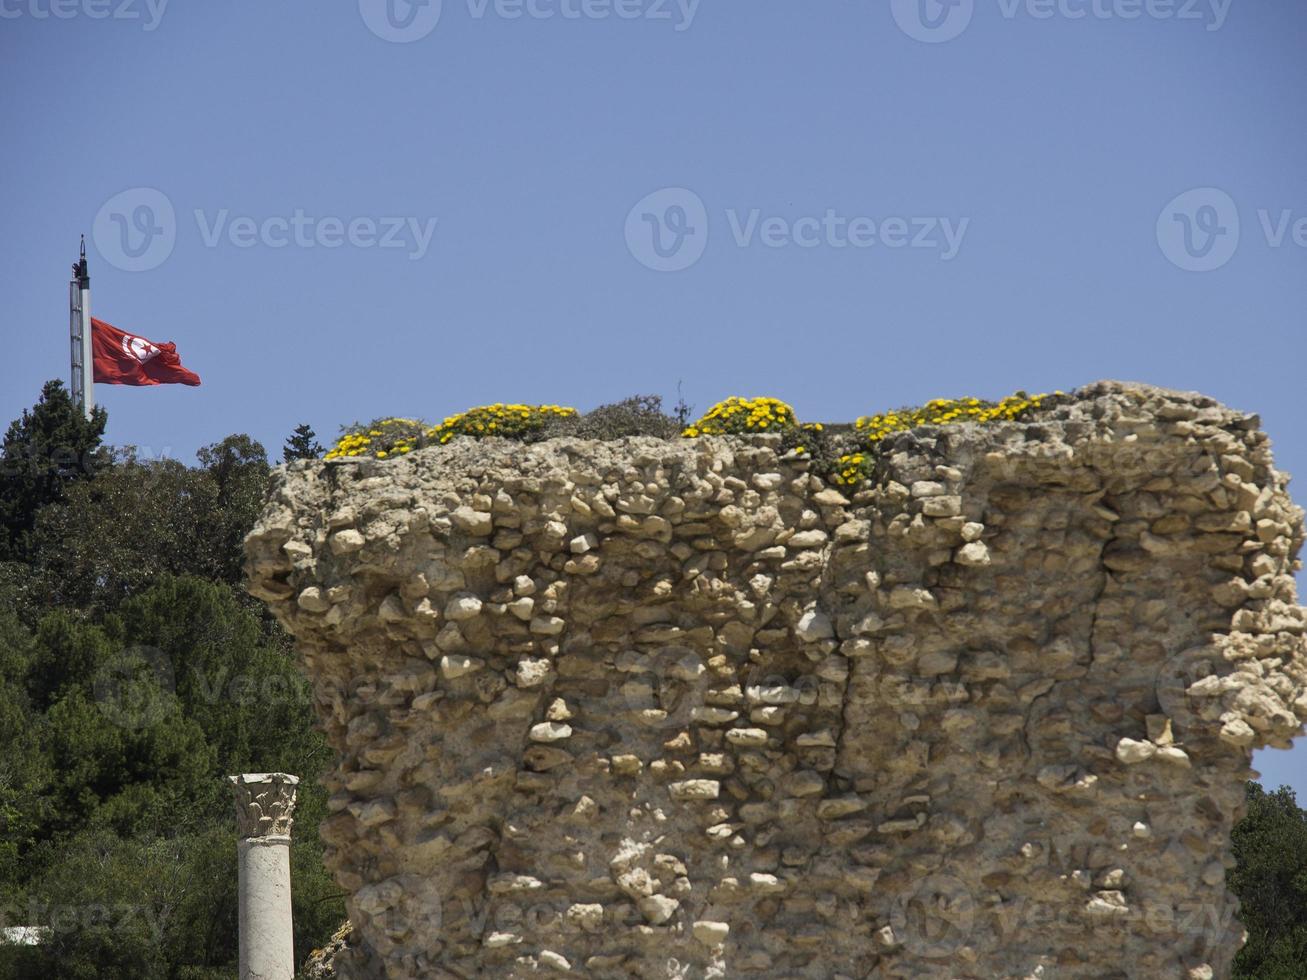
370 207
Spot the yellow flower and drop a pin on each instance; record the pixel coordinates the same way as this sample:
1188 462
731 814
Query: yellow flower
945 411
740 415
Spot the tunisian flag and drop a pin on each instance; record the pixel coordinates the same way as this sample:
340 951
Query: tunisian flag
125 359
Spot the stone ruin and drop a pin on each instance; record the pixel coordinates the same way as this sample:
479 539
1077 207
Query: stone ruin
681 709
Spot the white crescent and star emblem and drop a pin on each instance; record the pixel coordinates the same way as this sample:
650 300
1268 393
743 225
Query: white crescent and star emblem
139 349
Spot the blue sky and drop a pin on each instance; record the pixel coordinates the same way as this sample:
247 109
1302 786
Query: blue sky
339 211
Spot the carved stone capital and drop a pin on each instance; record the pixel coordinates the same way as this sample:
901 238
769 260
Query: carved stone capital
265 802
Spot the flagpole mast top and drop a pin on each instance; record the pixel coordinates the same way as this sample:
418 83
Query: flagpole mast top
80 270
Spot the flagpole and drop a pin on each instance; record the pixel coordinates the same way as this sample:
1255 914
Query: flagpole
79 320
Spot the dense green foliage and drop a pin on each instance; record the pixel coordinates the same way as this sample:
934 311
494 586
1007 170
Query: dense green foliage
52 447
1270 845
134 677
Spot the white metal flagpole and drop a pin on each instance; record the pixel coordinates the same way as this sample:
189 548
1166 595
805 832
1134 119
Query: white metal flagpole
79 320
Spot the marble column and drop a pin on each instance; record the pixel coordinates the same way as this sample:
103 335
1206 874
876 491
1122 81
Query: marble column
264 806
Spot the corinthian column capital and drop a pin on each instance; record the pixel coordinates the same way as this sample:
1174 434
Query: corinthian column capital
265 802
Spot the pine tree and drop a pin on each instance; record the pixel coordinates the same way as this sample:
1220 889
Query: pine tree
1270 845
50 447
302 444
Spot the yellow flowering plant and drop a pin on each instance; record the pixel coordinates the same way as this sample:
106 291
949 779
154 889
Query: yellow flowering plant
948 411
737 416
855 465
850 469
391 437
506 421
381 438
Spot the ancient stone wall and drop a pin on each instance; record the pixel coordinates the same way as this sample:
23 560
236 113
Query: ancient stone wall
680 709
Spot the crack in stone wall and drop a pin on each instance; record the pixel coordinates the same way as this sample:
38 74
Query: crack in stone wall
680 709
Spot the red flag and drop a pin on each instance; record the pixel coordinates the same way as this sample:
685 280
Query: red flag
125 359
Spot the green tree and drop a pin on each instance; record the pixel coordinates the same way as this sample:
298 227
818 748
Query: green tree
111 538
50 447
121 750
239 686
1270 846
302 444
147 907
238 467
